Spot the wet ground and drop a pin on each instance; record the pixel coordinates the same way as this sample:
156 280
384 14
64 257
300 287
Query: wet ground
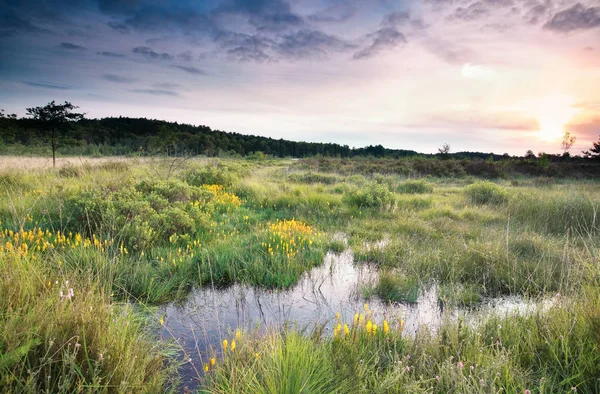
212 314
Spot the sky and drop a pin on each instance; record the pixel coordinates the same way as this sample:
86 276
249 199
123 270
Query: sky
500 76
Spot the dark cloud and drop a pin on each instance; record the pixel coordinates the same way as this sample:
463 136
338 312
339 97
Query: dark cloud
166 85
117 78
12 24
338 12
45 85
185 20
148 53
191 70
474 11
245 47
575 18
186 56
119 7
120 27
156 92
264 15
537 13
402 18
110 54
310 43
383 39
72 47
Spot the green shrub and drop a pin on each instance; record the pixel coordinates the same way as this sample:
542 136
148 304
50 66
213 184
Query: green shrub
415 187
373 195
212 174
485 192
312 178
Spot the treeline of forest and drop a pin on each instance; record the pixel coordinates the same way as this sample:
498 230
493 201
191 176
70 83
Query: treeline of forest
126 136
144 137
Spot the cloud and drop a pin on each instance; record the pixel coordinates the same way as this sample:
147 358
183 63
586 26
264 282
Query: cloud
310 43
166 85
186 56
110 54
264 15
586 130
475 120
148 53
383 39
72 47
578 17
448 51
245 47
45 85
12 24
191 70
402 18
120 27
536 13
337 12
117 78
154 18
473 12
156 92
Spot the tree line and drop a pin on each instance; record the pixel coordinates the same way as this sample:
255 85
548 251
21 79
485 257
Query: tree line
60 128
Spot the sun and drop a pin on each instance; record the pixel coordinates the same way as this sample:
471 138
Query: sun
553 113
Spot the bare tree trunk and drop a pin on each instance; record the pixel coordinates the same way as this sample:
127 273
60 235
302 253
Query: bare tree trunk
53 148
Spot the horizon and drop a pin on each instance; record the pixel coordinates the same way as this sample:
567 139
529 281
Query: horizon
501 76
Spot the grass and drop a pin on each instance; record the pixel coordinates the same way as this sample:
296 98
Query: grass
125 236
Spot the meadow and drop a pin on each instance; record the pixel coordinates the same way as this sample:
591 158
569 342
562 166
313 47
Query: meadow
90 252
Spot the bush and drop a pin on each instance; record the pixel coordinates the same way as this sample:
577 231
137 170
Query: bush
312 178
70 171
371 196
213 174
415 187
485 192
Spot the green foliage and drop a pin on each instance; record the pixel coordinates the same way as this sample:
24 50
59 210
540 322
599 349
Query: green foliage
213 174
312 178
373 195
415 187
485 192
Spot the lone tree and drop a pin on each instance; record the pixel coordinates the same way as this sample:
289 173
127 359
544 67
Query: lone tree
567 142
53 118
444 151
594 152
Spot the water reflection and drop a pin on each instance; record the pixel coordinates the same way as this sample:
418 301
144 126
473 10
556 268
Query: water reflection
210 314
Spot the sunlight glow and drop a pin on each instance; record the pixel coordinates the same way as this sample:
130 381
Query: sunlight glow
553 112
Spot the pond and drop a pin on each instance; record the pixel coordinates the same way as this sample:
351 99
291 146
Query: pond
212 314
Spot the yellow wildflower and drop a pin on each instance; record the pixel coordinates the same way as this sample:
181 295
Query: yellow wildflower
225 345
232 345
369 327
346 329
213 361
386 327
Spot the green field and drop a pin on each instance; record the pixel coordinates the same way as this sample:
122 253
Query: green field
89 251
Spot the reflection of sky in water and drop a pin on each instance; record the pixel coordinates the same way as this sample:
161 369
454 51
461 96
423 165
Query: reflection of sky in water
211 315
